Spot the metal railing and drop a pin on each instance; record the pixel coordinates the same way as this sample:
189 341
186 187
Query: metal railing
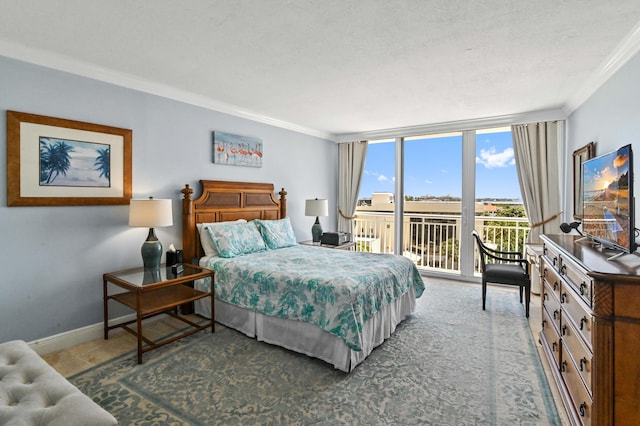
432 241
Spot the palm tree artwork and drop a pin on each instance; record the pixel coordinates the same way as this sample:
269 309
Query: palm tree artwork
74 163
103 162
54 160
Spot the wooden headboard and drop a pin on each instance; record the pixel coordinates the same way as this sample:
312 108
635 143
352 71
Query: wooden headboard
224 201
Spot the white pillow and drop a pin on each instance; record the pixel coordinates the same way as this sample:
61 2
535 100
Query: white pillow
205 237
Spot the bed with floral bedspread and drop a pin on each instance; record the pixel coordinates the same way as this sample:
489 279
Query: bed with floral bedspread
336 290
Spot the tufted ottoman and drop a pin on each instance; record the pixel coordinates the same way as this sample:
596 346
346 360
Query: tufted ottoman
33 393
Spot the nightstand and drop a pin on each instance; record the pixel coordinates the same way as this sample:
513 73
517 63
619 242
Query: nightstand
349 245
150 293
533 253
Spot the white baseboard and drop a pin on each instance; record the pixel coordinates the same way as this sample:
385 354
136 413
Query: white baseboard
61 341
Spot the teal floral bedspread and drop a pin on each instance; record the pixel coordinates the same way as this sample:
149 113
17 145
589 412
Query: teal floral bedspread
336 290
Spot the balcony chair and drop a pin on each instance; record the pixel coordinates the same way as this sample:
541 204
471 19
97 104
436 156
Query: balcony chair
506 267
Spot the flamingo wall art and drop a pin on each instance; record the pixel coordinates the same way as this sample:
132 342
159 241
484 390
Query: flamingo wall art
237 150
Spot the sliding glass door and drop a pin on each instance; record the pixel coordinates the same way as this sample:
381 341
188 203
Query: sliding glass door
452 183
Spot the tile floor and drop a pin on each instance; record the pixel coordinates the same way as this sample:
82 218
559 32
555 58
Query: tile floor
86 355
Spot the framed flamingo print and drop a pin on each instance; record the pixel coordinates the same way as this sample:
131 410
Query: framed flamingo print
237 150
58 162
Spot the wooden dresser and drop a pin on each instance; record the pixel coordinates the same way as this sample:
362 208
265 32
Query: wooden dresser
591 330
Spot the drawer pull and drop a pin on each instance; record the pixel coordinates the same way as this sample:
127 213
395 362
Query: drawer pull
583 321
564 330
544 323
583 409
564 365
563 270
546 296
555 261
544 273
554 346
544 250
555 314
563 298
555 285
583 288
583 363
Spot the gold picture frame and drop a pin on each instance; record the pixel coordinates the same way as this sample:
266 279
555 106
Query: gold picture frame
58 162
580 155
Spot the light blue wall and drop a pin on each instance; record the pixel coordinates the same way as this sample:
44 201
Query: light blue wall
52 258
610 118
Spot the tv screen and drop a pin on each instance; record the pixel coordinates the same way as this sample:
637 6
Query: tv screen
607 182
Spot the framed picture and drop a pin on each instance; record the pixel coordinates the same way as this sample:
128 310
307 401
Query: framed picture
236 150
58 162
580 156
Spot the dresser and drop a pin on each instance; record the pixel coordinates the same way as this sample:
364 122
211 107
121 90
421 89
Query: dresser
591 329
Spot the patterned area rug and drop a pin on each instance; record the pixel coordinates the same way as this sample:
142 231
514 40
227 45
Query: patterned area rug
448 364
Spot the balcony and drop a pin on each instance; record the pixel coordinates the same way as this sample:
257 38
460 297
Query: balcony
432 241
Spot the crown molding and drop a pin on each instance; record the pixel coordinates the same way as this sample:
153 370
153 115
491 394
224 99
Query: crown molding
456 126
625 50
85 69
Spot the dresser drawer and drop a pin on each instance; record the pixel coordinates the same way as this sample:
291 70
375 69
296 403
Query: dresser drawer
578 279
552 276
582 356
575 311
551 337
553 254
551 303
580 398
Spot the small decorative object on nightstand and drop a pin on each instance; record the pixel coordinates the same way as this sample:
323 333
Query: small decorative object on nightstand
316 208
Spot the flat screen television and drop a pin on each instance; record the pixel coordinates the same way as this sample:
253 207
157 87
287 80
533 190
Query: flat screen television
607 182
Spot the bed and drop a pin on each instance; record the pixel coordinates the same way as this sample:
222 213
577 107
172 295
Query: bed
334 305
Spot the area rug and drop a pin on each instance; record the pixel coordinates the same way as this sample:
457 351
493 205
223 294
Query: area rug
450 363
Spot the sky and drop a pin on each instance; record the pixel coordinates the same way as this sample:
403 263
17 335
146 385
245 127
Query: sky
433 166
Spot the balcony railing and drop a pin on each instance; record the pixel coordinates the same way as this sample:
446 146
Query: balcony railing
432 241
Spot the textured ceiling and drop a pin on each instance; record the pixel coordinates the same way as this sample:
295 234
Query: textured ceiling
336 66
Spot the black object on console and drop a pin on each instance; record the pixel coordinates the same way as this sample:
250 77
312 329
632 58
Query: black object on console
567 227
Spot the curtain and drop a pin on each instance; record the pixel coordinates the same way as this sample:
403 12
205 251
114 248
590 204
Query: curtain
351 157
537 150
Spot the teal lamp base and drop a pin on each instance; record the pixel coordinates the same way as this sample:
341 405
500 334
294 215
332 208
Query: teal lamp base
151 251
316 231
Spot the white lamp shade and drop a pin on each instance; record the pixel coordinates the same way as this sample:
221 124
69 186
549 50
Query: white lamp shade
150 213
316 207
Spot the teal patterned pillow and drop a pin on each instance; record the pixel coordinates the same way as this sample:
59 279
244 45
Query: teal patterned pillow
233 240
277 233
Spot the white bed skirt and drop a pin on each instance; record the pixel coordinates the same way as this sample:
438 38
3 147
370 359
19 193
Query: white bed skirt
310 339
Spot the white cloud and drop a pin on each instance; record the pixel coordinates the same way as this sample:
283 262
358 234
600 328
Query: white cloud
428 181
490 158
382 178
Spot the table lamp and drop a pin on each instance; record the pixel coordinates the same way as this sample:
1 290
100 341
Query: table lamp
316 208
151 213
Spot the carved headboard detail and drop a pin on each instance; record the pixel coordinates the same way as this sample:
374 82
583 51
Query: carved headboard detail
222 201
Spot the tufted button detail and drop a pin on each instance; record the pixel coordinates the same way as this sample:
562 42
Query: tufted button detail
32 392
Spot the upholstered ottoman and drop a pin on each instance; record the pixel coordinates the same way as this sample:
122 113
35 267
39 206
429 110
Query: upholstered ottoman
33 393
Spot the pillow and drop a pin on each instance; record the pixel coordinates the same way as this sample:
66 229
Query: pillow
277 233
233 240
205 239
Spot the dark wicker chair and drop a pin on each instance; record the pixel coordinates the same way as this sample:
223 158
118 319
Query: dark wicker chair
504 267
